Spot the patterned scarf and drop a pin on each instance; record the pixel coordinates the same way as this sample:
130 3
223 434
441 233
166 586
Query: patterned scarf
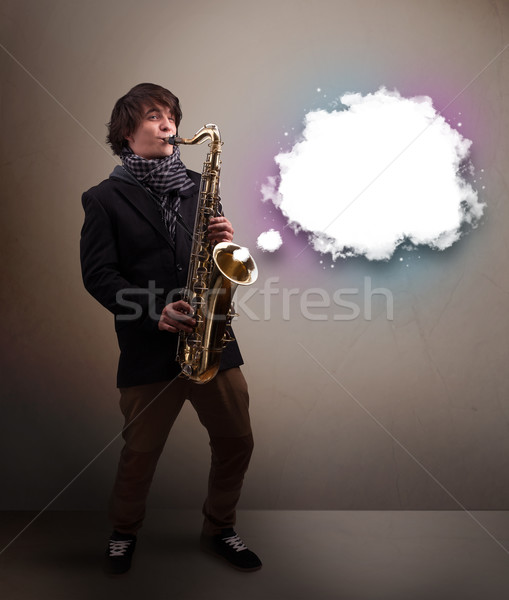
165 177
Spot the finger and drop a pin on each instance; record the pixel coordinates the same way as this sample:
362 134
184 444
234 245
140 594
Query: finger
178 311
175 327
218 233
181 321
220 224
181 306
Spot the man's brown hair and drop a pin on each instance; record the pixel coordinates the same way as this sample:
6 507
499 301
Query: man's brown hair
128 112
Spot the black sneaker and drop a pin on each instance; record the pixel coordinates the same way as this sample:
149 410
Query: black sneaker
119 552
229 545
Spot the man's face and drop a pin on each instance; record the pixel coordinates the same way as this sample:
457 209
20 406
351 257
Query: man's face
156 123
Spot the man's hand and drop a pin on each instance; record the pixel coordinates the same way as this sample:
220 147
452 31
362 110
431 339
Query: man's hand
176 316
220 230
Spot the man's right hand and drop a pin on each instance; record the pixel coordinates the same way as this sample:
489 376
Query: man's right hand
176 316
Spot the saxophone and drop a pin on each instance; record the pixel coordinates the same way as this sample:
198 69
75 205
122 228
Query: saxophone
215 271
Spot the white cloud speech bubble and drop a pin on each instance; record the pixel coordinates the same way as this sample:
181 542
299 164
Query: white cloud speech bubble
385 171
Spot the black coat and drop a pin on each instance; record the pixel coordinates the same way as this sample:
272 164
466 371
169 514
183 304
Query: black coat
131 266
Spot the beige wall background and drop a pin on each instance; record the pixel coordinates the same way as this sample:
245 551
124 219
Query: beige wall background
369 413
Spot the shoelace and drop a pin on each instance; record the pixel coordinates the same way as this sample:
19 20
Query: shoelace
235 542
119 547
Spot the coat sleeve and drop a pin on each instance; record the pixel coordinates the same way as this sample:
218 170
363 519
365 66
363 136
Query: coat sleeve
101 270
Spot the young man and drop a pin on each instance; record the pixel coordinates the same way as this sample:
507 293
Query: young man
135 247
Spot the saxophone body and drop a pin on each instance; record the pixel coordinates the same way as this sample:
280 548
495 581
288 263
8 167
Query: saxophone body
215 271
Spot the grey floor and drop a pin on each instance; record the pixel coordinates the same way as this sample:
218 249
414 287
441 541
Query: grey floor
324 555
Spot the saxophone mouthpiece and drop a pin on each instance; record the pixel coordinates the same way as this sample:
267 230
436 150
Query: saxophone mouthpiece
173 140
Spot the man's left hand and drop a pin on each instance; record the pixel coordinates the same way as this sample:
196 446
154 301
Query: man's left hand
220 230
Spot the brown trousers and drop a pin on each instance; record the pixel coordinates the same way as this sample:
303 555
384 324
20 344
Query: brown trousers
150 411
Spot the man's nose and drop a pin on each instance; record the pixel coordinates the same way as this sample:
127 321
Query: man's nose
166 124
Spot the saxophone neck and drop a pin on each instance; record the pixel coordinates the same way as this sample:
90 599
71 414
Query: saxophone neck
207 132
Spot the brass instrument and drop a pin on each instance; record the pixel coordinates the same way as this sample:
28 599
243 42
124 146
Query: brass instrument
215 271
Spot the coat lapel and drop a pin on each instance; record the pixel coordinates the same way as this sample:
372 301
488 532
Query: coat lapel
140 198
